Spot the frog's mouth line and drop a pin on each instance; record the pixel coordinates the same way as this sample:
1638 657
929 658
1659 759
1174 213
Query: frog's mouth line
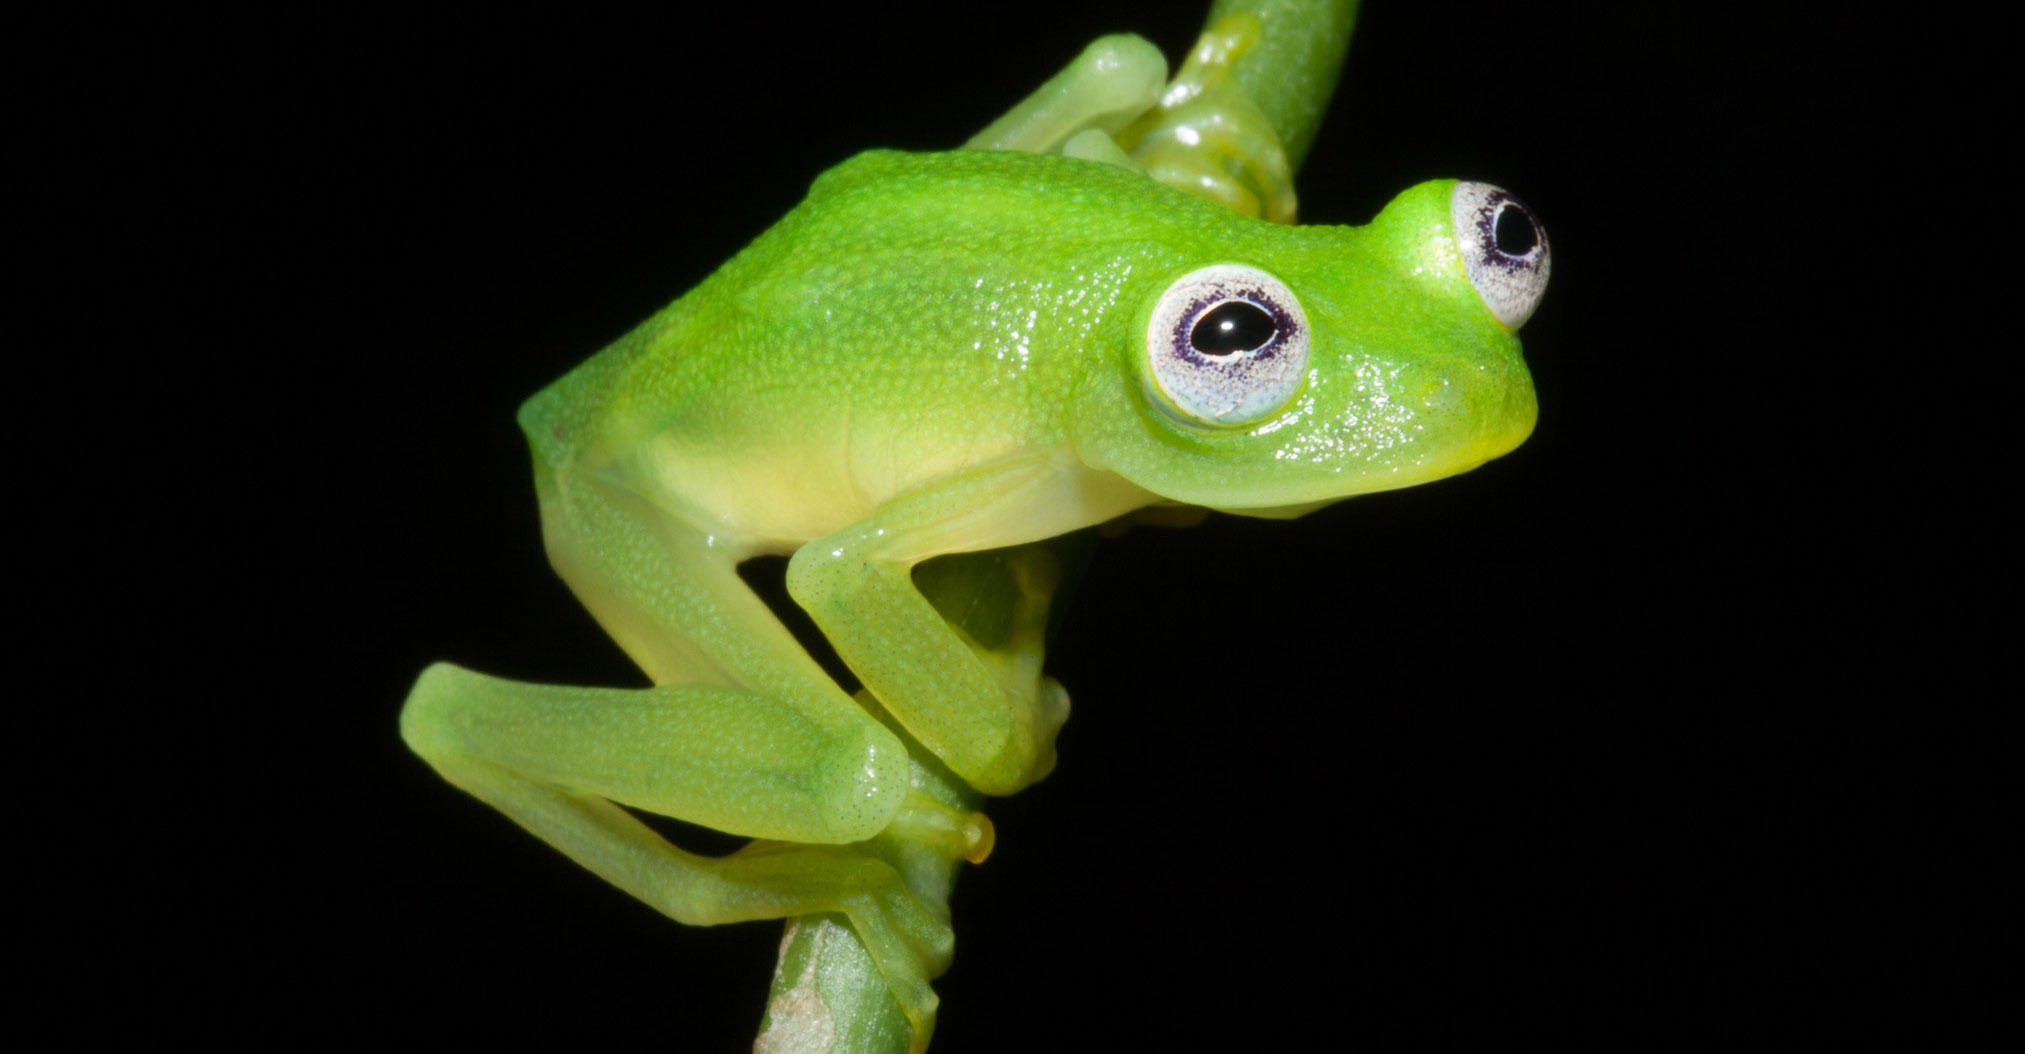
1303 495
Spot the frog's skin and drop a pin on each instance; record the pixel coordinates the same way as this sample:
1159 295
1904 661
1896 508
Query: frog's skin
935 354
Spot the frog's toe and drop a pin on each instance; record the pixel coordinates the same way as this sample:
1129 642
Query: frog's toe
910 943
906 971
903 935
927 933
1052 705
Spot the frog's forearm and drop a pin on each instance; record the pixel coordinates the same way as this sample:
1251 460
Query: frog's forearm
1291 72
828 996
992 725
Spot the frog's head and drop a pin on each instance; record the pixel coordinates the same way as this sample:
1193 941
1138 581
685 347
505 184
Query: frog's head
1317 363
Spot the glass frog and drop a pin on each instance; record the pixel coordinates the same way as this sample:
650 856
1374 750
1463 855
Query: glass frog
1099 308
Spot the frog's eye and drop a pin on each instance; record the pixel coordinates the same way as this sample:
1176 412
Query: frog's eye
1504 250
1228 345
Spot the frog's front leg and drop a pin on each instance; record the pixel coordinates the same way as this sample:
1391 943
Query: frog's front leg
742 732
1114 81
993 728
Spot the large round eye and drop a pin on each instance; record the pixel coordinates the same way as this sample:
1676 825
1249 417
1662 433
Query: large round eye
1504 250
1228 345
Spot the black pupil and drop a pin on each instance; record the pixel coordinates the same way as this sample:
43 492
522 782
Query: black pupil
1514 234
1231 327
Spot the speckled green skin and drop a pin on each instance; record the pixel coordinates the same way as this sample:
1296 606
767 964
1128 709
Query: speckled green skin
865 345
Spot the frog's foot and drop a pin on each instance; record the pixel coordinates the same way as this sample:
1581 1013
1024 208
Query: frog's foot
1207 137
880 918
908 939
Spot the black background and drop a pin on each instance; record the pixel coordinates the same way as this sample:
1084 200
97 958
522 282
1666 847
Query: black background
1644 734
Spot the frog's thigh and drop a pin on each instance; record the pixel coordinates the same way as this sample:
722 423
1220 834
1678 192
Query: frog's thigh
744 731
668 592
856 585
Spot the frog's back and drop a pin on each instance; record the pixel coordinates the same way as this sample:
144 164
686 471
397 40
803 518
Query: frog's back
918 313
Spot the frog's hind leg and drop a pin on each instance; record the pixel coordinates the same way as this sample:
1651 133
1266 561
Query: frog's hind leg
555 759
762 742
742 732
